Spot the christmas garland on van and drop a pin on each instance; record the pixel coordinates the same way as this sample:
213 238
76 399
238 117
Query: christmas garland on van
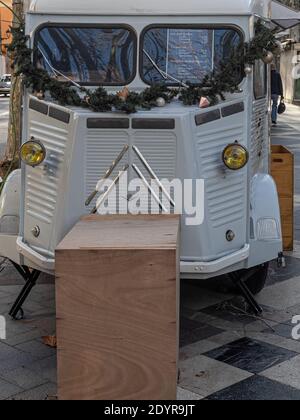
209 92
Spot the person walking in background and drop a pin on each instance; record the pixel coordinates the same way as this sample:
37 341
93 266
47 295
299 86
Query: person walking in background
276 92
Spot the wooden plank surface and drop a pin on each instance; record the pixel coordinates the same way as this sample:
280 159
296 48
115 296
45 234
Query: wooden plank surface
117 310
282 170
145 232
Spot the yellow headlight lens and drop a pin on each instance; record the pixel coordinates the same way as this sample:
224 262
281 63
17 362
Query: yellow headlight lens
32 153
235 156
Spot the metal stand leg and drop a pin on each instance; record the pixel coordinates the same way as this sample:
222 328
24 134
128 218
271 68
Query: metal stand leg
30 278
240 282
249 297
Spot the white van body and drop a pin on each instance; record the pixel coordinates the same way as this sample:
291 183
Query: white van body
53 194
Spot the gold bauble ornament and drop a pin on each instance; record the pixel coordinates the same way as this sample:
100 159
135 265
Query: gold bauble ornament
123 94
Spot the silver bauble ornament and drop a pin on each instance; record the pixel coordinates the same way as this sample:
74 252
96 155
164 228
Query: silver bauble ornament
248 69
160 102
268 57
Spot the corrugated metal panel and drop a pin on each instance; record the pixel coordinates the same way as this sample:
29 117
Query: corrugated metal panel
102 148
225 190
259 134
43 181
159 149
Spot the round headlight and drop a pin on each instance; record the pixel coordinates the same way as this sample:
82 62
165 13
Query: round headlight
235 156
33 153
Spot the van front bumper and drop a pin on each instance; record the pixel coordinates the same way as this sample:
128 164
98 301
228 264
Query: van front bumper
196 269
37 260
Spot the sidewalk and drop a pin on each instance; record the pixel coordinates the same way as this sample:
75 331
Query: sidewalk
247 359
225 354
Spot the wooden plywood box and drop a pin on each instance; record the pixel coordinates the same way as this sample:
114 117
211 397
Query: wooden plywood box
282 170
117 292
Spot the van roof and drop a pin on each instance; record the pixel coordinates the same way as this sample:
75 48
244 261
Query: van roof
151 7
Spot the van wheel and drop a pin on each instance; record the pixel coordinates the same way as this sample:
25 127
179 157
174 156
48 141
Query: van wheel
257 281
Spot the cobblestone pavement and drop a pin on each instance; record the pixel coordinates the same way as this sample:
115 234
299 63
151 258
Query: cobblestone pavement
225 354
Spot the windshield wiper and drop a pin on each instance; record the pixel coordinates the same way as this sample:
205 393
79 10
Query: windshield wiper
164 74
56 72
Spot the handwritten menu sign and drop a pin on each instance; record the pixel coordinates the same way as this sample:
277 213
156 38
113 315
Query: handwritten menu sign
189 54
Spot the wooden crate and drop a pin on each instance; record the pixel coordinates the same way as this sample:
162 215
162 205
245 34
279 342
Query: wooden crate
282 170
117 292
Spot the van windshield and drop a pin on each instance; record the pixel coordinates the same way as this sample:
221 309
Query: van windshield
87 55
185 54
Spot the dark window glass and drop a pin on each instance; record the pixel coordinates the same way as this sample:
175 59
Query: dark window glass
88 55
182 54
260 79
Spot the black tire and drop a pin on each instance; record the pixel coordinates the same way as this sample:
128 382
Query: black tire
257 281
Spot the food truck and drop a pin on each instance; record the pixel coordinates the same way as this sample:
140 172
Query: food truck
131 45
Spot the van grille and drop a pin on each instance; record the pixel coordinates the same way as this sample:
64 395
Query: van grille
102 148
259 134
42 185
225 190
159 149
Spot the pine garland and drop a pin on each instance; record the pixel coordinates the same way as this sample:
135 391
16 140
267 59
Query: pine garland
214 86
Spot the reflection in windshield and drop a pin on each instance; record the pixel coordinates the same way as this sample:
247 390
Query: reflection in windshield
185 54
88 55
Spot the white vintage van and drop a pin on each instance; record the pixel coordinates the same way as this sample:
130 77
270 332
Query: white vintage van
39 205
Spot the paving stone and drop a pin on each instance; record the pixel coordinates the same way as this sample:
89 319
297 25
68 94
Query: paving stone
294 310
46 323
194 331
205 376
251 355
185 395
231 310
14 339
286 373
276 340
7 351
36 349
230 326
33 307
197 298
284 330
197 349
7 389
260 325
227 337
15 360
23 378
257 388
279 275
281 296
46 368
277 316
37 394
